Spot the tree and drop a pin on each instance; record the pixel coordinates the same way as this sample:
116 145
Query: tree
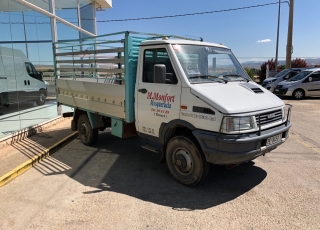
250 72
298 63
282 67
263 67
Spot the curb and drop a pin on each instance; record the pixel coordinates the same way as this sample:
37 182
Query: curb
34 160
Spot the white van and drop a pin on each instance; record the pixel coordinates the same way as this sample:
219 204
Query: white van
19 80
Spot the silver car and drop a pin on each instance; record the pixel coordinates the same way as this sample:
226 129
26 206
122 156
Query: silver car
272 82
306 83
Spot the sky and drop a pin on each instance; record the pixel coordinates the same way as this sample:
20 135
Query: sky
250 33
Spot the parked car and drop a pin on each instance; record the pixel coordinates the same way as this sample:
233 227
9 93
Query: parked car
286 74
306 83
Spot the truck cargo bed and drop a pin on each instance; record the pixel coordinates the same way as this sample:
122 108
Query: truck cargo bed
105 99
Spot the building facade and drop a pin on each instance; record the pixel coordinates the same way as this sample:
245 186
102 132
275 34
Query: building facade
28 29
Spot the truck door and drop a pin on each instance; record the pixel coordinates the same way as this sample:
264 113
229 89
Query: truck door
157 103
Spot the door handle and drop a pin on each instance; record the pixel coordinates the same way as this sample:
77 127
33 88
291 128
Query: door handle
142 90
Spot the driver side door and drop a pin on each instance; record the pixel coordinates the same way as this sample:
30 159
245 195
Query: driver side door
156 103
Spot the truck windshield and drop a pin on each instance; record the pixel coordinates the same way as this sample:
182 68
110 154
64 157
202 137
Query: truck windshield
207 64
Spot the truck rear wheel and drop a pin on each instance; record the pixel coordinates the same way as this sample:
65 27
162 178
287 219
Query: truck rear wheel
186 161
87 134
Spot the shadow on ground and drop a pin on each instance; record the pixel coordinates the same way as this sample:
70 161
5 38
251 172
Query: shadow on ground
122 166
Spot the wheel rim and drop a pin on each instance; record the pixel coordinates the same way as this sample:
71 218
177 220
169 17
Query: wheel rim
298 94
182 162
83 130
42 97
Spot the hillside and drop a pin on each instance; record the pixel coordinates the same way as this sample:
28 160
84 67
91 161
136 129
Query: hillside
257 64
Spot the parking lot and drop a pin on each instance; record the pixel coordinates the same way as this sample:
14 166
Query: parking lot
118 185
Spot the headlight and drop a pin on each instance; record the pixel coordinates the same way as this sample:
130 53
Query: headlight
237 124
286 112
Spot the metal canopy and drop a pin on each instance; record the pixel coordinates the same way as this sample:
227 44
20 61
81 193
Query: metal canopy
9 5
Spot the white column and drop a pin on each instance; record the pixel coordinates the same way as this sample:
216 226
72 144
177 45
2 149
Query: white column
52 9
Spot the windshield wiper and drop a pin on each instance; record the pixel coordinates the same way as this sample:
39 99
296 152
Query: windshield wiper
236 75
208 77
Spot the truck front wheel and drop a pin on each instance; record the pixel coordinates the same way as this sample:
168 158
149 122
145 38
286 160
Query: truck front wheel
186 161
87 134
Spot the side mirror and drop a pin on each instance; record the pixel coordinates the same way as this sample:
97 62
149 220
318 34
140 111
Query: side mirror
159 74
310 78
286 77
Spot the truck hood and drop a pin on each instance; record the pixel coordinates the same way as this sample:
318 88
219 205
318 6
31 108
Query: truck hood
235 97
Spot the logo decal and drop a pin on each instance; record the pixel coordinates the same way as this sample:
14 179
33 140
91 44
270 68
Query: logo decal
158 100
198 116
272 115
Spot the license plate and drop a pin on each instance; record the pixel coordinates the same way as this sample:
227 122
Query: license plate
274 140
276 90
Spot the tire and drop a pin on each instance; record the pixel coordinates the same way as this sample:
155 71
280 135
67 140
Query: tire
186 161
87 135
41 98
298 94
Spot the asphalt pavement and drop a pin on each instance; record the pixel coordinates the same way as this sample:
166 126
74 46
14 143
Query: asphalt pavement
118 185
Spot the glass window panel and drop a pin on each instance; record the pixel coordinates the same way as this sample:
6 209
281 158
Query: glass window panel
20 90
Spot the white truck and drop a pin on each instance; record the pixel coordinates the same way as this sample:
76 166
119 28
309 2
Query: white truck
192 99
19 80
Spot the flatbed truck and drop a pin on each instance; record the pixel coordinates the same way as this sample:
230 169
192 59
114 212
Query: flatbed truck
191 98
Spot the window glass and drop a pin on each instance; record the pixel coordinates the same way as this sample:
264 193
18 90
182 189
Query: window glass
315 76
293 73
205 64
157 56
300 76
282 73
221 63
30 69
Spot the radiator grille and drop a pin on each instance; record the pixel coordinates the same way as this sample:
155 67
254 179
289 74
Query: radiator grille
268 118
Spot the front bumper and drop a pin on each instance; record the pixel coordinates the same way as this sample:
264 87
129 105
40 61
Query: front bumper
234 149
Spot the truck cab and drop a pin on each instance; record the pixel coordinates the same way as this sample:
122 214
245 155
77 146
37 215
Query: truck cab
204 93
